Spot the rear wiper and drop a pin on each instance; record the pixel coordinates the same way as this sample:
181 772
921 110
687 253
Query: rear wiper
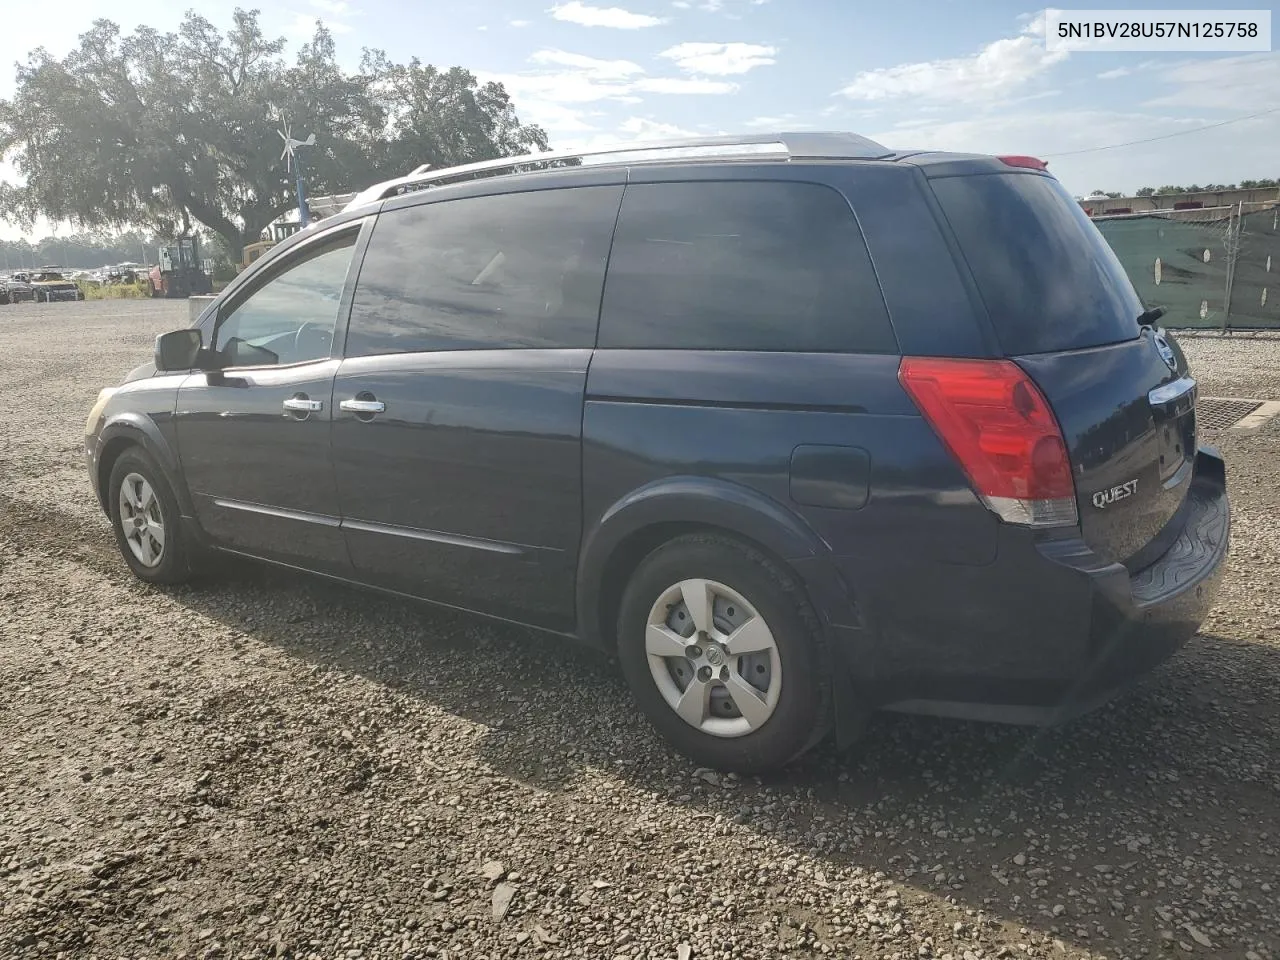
1148 318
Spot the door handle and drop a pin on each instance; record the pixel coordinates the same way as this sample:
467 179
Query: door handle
362 406
302 405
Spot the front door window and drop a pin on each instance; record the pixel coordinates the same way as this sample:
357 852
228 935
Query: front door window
290 318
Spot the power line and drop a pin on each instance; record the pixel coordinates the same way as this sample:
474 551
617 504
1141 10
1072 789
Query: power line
1167 136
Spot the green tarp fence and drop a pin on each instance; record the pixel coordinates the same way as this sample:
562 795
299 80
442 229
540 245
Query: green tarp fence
1208 268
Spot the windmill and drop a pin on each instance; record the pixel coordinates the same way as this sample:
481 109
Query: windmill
294 162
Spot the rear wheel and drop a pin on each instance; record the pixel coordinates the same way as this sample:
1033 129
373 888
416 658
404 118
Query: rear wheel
724 654
146 520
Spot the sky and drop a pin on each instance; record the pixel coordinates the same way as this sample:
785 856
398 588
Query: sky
944 74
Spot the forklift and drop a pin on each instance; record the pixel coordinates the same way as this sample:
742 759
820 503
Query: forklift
179 273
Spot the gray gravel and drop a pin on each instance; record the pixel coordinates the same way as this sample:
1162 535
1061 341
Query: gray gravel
262 765
1240 365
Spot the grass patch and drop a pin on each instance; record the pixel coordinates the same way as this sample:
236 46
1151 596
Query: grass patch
114 291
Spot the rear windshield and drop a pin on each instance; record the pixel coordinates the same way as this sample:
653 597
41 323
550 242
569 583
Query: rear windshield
1049 280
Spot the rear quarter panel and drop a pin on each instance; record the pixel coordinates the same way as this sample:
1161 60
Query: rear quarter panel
740 417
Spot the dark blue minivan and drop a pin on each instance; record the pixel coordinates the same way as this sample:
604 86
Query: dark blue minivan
798 426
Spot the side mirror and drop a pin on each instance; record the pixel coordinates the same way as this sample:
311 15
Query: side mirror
177 350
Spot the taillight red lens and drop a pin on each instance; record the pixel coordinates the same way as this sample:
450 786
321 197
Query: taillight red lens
1031 163
1000 428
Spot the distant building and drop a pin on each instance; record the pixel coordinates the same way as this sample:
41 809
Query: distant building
1098 206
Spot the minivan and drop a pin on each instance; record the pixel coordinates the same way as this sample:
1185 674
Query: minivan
796 426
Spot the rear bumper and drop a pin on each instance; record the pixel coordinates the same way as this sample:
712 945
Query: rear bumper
1102 627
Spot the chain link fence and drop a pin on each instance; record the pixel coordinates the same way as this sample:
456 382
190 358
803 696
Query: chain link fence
1215 268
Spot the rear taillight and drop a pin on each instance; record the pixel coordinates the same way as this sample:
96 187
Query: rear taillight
998 425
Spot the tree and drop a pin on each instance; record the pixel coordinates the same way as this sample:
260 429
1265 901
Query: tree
1146 192
169 130
442 118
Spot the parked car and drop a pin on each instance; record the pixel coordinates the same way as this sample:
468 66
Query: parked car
49 284
798 427
19 288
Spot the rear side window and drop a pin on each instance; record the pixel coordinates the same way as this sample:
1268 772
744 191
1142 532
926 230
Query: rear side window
741 266
511 270
1048 278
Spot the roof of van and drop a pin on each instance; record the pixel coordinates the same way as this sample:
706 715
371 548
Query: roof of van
804 145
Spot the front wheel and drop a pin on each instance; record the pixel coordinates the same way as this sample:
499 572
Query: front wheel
724 654
146 520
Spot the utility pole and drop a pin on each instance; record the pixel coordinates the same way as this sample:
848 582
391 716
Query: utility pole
1232 246
304 215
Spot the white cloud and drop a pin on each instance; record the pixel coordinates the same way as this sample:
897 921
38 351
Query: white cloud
557 117
638 129
558 87
1224 155
712 6
684 85
1238 84
1119 72
785 121
645 129
334 13
990 74
303 27
518 23
590 66
553 95
586 15
720 59
334 8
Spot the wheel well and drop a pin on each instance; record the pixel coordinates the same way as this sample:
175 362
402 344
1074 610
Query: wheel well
110 454
631 551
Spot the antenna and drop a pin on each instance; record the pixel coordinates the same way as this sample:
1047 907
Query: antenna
293 163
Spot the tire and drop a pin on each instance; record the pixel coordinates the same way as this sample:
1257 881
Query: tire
171 564
787 707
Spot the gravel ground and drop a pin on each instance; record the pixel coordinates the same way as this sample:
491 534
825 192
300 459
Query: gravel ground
264 765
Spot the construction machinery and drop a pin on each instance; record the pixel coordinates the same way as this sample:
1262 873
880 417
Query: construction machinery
179 273
271 236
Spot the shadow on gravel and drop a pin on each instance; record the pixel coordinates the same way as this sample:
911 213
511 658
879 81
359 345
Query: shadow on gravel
1080 833
1085 833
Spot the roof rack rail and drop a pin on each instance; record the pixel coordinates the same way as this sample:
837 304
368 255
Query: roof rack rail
772 146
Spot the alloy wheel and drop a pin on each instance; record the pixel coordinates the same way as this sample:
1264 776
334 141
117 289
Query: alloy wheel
141 520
